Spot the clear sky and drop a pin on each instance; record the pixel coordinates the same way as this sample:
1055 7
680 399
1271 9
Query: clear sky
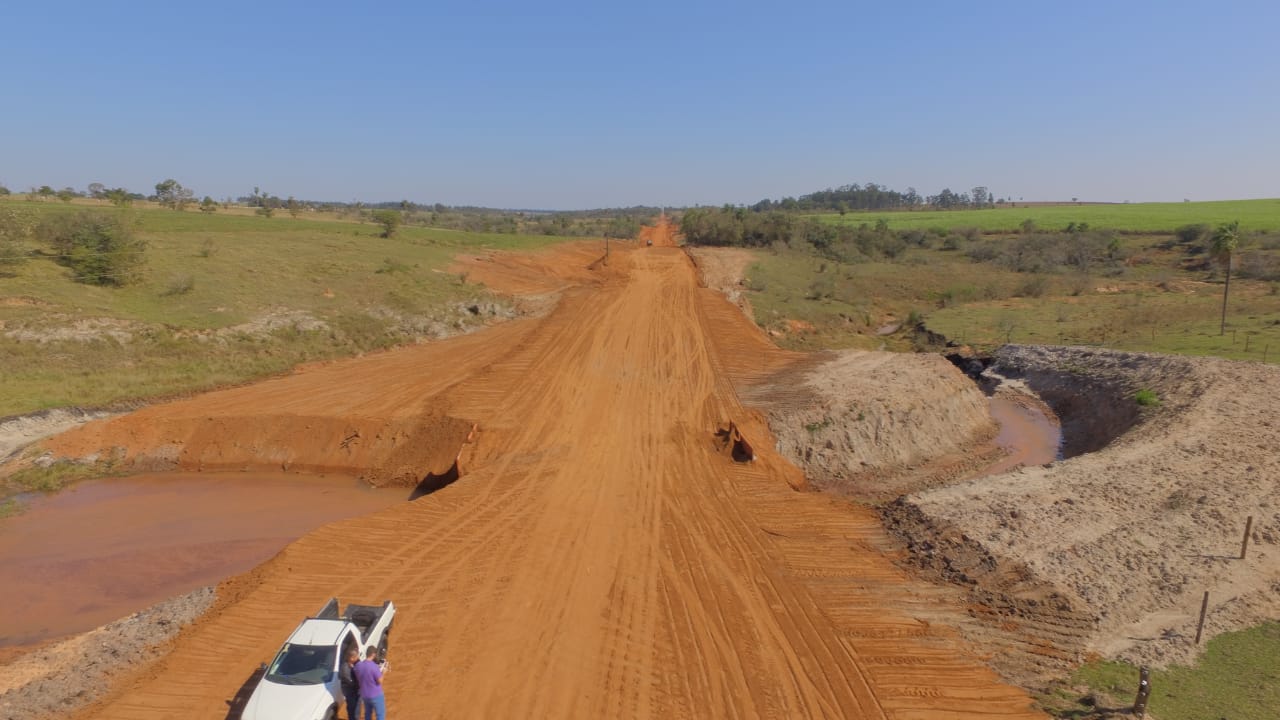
574 105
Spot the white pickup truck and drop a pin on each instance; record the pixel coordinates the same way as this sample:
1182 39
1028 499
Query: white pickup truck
301 683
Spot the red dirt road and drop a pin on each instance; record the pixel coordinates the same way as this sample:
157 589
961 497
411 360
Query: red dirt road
602 557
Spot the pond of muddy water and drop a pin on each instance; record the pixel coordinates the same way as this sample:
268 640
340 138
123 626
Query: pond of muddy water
1029 433
106 548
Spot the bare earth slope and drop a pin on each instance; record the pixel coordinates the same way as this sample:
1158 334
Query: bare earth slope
603 556
1133 533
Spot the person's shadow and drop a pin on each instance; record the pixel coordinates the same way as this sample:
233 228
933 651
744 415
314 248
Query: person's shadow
236 704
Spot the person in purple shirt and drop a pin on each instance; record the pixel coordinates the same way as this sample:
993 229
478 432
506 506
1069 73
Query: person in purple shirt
369 678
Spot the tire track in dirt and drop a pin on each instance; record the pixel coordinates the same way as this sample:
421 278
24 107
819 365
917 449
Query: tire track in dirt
603 557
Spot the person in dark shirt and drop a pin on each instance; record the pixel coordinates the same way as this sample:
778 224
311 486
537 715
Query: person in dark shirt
350 688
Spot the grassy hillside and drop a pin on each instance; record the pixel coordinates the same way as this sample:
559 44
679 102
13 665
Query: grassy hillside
226 298
1135 217
1157 295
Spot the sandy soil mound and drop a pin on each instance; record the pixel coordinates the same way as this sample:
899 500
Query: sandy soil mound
724 270
1147 516
870 424
19 431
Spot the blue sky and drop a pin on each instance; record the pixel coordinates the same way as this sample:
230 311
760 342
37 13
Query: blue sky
575 105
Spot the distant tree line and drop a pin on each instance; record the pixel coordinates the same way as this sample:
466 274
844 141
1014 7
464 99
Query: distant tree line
742 227
871 196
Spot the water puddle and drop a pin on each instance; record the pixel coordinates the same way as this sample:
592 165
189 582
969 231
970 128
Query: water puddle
106 548
1028 433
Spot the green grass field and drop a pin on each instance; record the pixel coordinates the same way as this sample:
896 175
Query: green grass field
1238 677
1135 217
206 272
1151 303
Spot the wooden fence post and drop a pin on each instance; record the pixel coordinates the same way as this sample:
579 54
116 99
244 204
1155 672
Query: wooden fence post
1248 528
1204 607
1144 692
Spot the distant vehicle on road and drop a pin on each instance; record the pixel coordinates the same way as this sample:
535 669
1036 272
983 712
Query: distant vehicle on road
301 683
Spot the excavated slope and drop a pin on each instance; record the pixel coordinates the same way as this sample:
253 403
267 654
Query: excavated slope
603 556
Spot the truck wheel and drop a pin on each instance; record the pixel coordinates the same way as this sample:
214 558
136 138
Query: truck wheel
332 714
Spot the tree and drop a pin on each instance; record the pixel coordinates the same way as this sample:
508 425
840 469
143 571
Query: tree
208 205
66 194
97 190
171 194
4 191
979 195
293 206
99 247
1222 247
118 197
389 220
623 227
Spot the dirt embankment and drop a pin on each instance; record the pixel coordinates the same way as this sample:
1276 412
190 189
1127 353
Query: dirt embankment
724 270
873 425
22 430
1147 515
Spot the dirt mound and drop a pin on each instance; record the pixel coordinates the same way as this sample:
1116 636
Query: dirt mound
724 270
870 424
1136 531
548 270
602 557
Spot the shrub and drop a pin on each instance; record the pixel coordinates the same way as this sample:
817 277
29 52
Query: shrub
1146 398
15 227
100 248
180 284
983 252
1034 287
1191 234
390 266
390 221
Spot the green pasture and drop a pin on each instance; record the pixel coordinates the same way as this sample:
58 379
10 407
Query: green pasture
1152 302
1132 217
1238 677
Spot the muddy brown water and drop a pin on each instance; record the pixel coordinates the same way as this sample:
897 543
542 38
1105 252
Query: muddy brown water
106 548
1028 434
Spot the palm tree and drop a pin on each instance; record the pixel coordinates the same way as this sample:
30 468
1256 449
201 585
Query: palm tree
1222 247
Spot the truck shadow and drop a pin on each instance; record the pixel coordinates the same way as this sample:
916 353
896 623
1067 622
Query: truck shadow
236 704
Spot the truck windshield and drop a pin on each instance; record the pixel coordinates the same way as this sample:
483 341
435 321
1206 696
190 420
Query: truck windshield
303 665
